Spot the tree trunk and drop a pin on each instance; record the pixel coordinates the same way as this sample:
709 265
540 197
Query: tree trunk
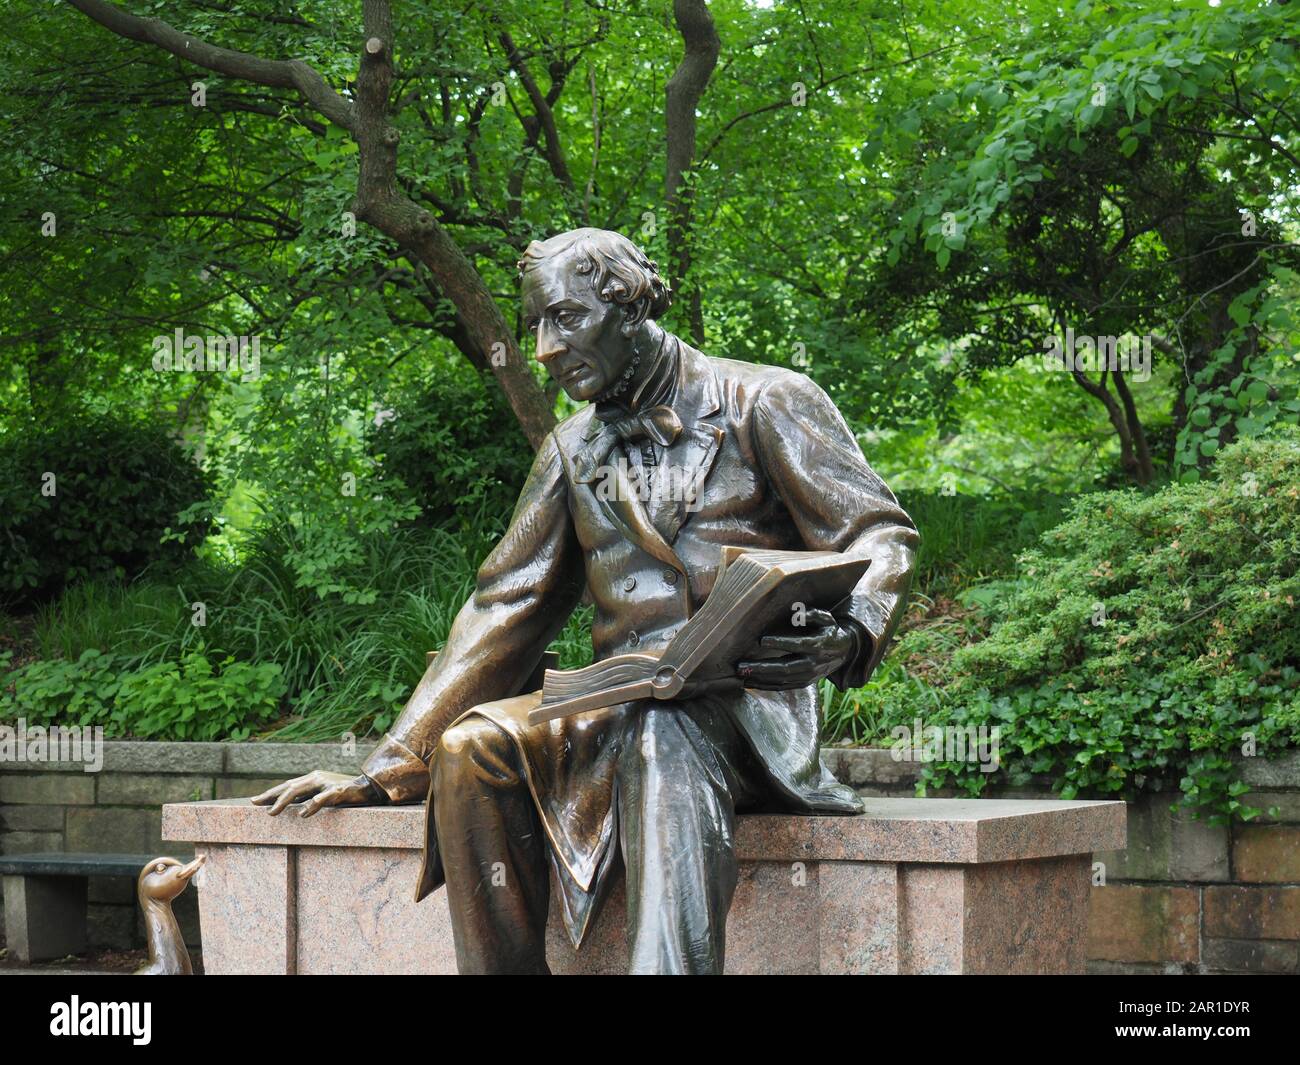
681 98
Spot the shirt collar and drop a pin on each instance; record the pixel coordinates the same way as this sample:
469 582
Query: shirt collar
659 386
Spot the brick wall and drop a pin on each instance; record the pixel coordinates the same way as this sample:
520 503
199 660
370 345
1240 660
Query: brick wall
1185 897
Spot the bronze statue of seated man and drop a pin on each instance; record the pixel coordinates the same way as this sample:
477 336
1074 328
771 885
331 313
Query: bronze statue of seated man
765 461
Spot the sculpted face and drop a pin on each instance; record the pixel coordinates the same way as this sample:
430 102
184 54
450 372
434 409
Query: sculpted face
584 342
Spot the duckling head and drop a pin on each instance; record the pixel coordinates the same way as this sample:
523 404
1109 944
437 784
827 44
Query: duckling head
165 878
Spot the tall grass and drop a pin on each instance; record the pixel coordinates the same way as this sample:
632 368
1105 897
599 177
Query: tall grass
967 538
349 666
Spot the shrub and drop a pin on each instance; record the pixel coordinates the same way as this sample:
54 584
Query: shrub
90 499
194 699
456 447
1149 640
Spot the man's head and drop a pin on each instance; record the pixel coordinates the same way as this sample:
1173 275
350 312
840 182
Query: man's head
587 295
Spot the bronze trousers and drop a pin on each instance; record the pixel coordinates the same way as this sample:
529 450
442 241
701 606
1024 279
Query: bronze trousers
682 771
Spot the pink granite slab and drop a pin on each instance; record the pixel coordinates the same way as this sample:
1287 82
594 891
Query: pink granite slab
911 886
245 909
239 821
932 914
357 914
965 831
1024 917
857 929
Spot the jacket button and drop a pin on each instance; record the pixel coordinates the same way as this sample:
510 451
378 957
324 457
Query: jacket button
633 638
670 575
629 584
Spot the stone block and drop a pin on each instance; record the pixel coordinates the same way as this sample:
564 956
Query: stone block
1167 844
1275 772
1266 854
134 756
932 901
115 830
1250 956
243 904
857 929
869 767
244 787
1150 838
1198 850
1140 923
793 889
31 818
151 789
48 789
31 842
1243 912
45 916
1125 968
1026 917
369 892
284 760
907 886
1286 803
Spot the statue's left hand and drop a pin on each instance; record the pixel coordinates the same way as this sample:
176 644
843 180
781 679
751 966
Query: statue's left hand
321 789
817 652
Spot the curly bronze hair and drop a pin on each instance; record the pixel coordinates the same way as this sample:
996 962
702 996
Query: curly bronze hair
620 271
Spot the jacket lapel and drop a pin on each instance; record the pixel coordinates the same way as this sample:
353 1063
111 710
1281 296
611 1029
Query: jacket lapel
680 480
600 465
686 464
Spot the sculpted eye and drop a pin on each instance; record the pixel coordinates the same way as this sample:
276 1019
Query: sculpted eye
566 318
159 867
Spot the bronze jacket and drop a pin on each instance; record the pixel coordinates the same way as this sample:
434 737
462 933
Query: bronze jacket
774 466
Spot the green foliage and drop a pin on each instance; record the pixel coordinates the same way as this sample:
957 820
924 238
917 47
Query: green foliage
341 665
196 699
967 537
1147 641
454 445
951 187
1249 384
89 499
1106 172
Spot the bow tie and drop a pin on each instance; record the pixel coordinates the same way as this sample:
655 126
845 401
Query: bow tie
660 424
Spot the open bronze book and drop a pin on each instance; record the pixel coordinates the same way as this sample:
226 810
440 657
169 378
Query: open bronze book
756 593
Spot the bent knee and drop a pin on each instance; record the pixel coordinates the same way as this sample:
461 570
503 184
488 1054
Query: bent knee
471 735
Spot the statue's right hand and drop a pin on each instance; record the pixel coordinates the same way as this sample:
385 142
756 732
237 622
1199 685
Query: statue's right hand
320 788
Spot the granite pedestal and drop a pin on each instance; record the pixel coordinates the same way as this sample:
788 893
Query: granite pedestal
910 886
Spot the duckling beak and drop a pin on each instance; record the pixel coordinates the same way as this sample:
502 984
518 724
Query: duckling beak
189 870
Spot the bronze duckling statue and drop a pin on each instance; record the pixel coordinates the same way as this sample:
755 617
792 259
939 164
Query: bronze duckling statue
161 881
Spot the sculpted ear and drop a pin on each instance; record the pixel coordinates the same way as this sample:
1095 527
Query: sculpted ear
634 314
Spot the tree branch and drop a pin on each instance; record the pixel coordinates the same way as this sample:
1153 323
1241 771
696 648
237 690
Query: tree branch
276 73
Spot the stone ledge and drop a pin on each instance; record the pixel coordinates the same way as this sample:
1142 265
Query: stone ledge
963 831
1281 772
857 766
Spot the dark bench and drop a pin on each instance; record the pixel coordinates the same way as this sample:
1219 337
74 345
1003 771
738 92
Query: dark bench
45 899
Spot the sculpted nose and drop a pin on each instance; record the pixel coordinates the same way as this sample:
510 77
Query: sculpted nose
548 344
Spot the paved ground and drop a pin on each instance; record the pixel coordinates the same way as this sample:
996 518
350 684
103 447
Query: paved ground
97 962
